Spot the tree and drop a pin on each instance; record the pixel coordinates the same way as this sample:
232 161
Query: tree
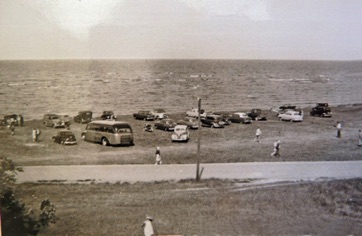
16 219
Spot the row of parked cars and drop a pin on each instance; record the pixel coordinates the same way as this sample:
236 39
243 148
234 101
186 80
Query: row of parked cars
293 114
180 127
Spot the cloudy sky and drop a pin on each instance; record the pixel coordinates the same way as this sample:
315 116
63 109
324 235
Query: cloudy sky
184 29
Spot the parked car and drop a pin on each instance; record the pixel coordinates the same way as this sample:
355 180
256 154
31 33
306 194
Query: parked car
83 117
181 134
321 110
240 117
53 120
65 138
224 115
194 112
191 122
213 121
291 116
283 108
165 124
144 115
255 114
159 113
66 118
8 119
108 115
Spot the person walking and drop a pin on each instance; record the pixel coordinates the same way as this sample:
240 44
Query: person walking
276 149
359 138
158 156
339 129
257 134
147 227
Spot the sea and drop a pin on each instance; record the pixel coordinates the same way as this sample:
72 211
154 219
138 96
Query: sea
35 87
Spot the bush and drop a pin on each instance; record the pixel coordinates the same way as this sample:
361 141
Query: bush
16 219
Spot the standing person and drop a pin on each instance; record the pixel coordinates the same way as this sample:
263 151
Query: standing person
12 128
158 156
257 134
276 149
21 121
34 135
339 129
359 138
147 227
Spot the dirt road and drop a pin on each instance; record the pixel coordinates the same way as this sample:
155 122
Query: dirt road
262 172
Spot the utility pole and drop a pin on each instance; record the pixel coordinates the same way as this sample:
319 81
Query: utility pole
198 177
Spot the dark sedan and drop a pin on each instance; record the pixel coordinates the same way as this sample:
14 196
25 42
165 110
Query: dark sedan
190 122
165 124
65 138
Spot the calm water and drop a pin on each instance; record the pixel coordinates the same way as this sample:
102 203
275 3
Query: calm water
33 88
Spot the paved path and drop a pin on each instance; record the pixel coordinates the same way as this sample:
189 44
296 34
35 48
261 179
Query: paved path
263 171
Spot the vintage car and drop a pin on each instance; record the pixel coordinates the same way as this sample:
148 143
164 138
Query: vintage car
213 121
283 108
66 118
159 113
191 122
144 115
165 124
255 114
181 134
291 115
194 112
108 115
83 117
321 110
10 119
241 118
65 138
54 121
224 115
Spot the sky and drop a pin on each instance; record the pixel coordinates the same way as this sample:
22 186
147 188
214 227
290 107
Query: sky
181 29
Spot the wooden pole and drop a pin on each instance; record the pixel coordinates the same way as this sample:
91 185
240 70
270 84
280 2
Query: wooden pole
198 142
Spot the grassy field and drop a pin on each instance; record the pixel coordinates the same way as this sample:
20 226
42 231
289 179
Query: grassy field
209 207
311 140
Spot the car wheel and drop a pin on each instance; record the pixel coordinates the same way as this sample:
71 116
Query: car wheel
83 136
105 142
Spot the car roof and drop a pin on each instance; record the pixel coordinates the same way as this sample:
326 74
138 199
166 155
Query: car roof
181 127
240 113
66 132
108 122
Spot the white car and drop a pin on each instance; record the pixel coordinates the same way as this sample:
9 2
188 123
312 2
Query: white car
181 134
194 112
291 116
159 113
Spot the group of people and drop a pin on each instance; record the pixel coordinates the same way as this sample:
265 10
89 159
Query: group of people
276 151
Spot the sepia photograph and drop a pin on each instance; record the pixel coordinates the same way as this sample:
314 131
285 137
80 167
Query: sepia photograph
180 117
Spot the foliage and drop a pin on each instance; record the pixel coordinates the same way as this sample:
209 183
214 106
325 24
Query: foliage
7 173
16 219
